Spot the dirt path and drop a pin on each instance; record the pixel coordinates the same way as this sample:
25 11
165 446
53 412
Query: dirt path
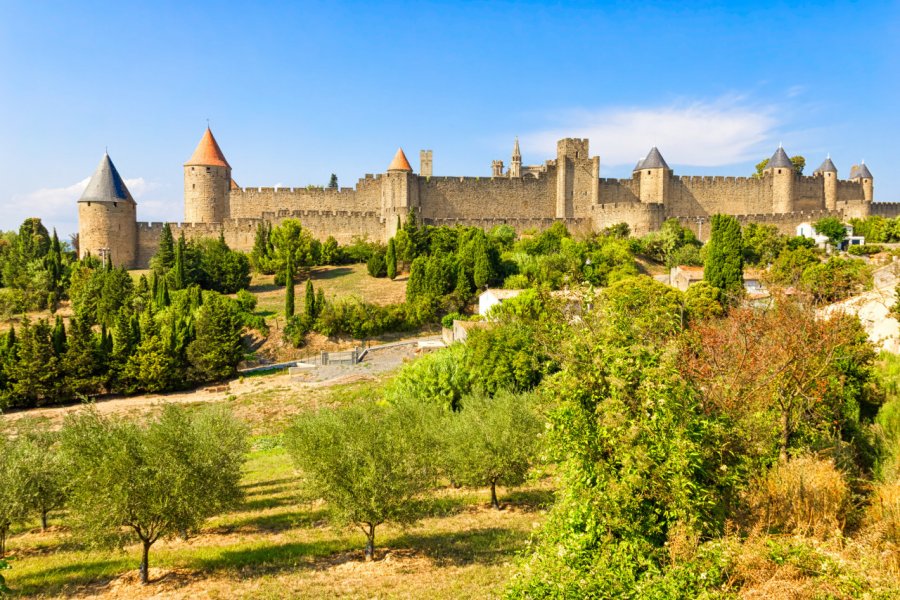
279 384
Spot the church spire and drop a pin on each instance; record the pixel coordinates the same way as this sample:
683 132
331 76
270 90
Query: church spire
515 165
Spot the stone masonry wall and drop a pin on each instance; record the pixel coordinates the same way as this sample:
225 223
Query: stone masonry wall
252 202
786 223
487 197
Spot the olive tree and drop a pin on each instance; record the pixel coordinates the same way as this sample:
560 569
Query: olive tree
371 463
155 481
42 473
492 441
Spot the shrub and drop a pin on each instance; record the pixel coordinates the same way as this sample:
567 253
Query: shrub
804 495
376 265
864 249
438 379
516 282
296 329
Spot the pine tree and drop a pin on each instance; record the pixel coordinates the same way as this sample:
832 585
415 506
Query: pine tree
216 349
333 182
320 301
82 363
35 373
724 268
309 303
288 289
391 259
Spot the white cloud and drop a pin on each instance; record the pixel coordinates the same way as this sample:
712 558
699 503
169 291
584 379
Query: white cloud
702 133
57 207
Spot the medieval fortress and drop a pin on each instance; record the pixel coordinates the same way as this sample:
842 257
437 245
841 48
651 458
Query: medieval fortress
568 188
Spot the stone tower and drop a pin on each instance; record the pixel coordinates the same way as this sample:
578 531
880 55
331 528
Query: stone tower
829 174
783 176
107 217
861 174
653 177
399 192
425 163
515 165
207 183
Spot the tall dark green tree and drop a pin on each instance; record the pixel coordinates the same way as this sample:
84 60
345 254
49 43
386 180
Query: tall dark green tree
724 267
82 364
288 289
309 301
216 350
58 337
333 182
391 259
179 281
36 372
165 255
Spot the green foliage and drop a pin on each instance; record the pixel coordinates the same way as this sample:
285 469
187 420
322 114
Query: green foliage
376 265
671 245
832 228
164 259
492 441
864 249
703 301
220 268
391 259
333 182
836 279
216 348
288 290
507 357
371 463
35 375
294 247
153 482
261 257
436 379
724 268
761 244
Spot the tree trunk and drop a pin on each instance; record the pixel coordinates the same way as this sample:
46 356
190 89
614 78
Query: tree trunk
3 531
44 520
145 563
370 543
494 502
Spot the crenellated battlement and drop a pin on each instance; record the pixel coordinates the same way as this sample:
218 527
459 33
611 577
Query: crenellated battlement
566 188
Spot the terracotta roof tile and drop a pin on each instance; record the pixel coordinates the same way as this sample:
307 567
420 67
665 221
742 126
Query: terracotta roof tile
208 153
400 163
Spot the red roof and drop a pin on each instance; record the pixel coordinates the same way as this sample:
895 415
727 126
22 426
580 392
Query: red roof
400 163
208 153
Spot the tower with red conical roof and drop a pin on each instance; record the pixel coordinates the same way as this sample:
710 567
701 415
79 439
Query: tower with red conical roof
207 183
399 192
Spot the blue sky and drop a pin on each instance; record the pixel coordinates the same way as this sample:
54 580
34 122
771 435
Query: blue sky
295 91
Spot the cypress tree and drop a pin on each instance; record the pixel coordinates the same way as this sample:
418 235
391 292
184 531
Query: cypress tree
391 259
482 272
289 289
309 303
178 269
163 300
58 337
165 254
724 268
82 363
154 287
320 301
463 287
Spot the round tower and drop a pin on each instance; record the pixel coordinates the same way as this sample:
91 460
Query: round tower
653 175
861 174
781 170
207 183
829 174
399 192
107 217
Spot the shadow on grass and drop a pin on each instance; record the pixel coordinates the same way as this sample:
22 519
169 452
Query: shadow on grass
332 273
528 499
269 485
268 558
280 521
64 578
487 545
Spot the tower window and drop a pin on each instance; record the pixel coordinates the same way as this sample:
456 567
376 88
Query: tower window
193 186
207 169
648 172
779 171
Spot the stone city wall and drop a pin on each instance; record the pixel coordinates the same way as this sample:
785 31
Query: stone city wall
487 197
